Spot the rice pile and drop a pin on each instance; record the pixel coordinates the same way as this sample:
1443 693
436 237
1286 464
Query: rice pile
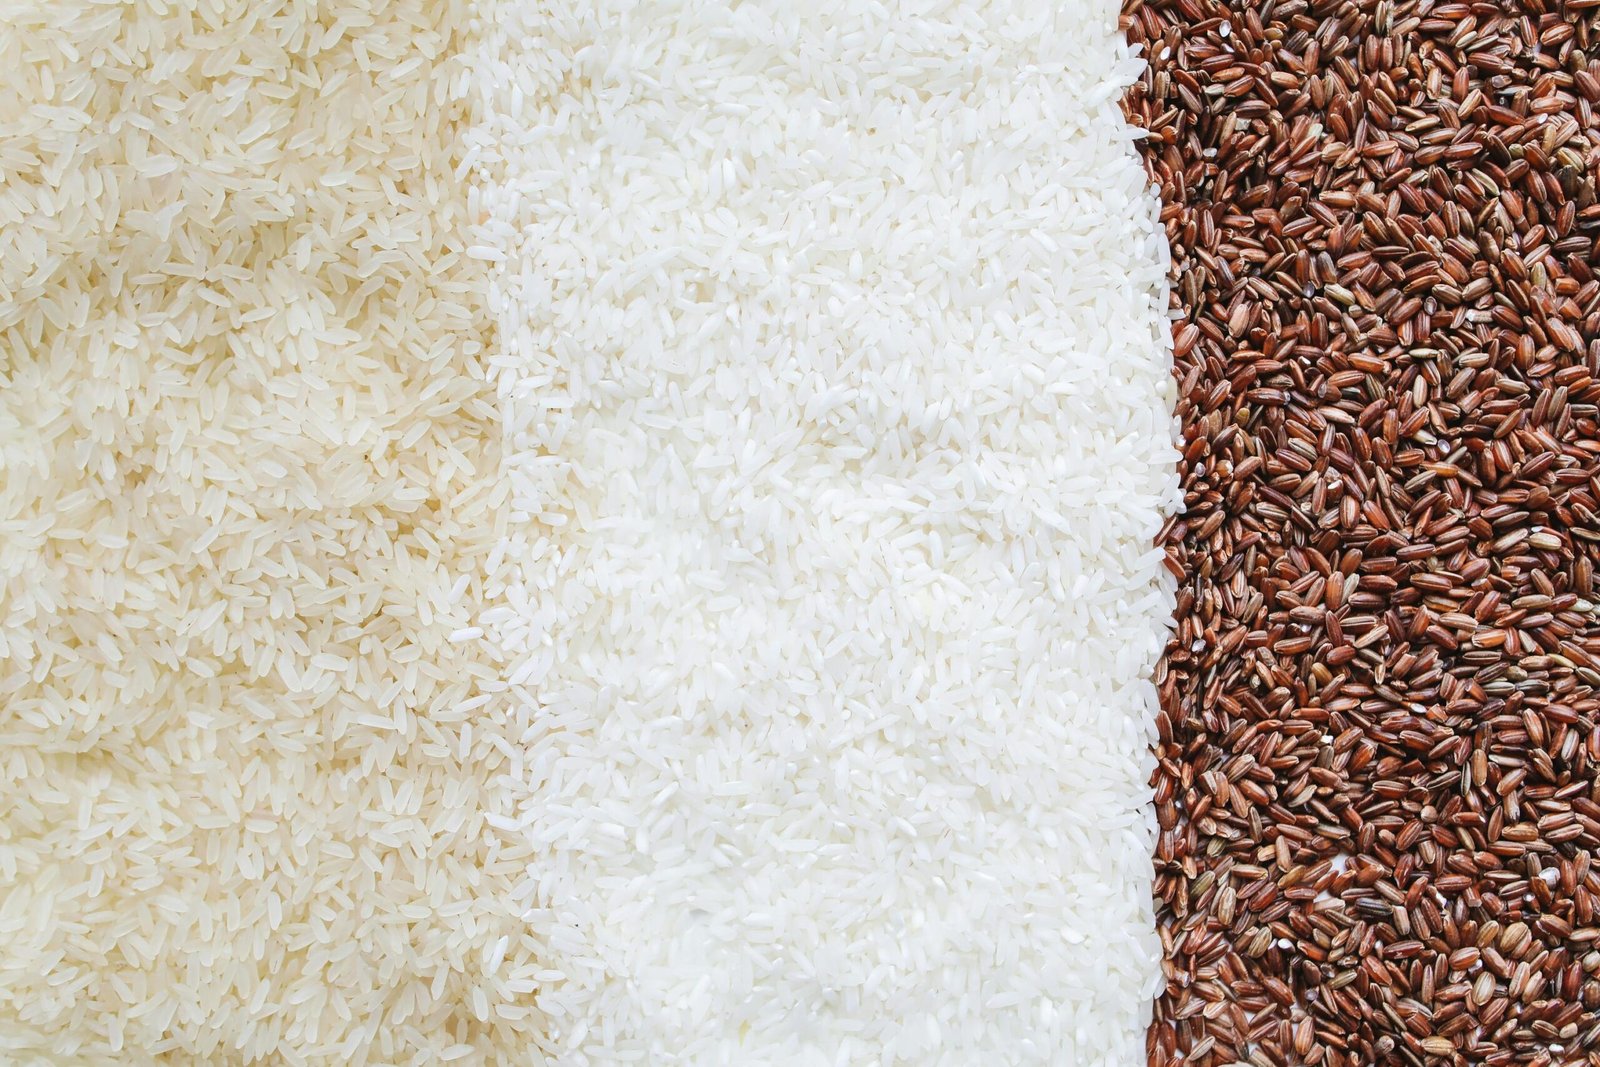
834 366
603 533
1379 787
248 462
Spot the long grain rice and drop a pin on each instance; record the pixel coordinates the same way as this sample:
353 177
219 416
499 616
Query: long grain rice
836 374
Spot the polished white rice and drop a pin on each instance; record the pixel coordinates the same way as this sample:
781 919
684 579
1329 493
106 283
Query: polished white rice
834 366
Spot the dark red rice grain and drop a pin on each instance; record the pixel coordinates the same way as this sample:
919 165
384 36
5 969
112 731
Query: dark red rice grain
1376 778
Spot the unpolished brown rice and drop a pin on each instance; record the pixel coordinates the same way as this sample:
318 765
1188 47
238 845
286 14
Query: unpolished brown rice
1380 730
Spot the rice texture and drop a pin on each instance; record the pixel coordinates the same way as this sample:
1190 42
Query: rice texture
248 493
835 375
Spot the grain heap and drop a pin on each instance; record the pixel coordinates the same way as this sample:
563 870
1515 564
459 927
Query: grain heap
1380 731
248 484
835 371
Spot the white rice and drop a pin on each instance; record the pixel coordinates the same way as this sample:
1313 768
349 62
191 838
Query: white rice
836 381
743 659
248 487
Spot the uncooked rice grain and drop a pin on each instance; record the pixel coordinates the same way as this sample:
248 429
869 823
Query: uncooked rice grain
836 377
247 492
1380 715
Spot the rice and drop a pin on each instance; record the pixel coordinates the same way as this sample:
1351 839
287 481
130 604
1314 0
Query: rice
835 376
582 533
248 491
